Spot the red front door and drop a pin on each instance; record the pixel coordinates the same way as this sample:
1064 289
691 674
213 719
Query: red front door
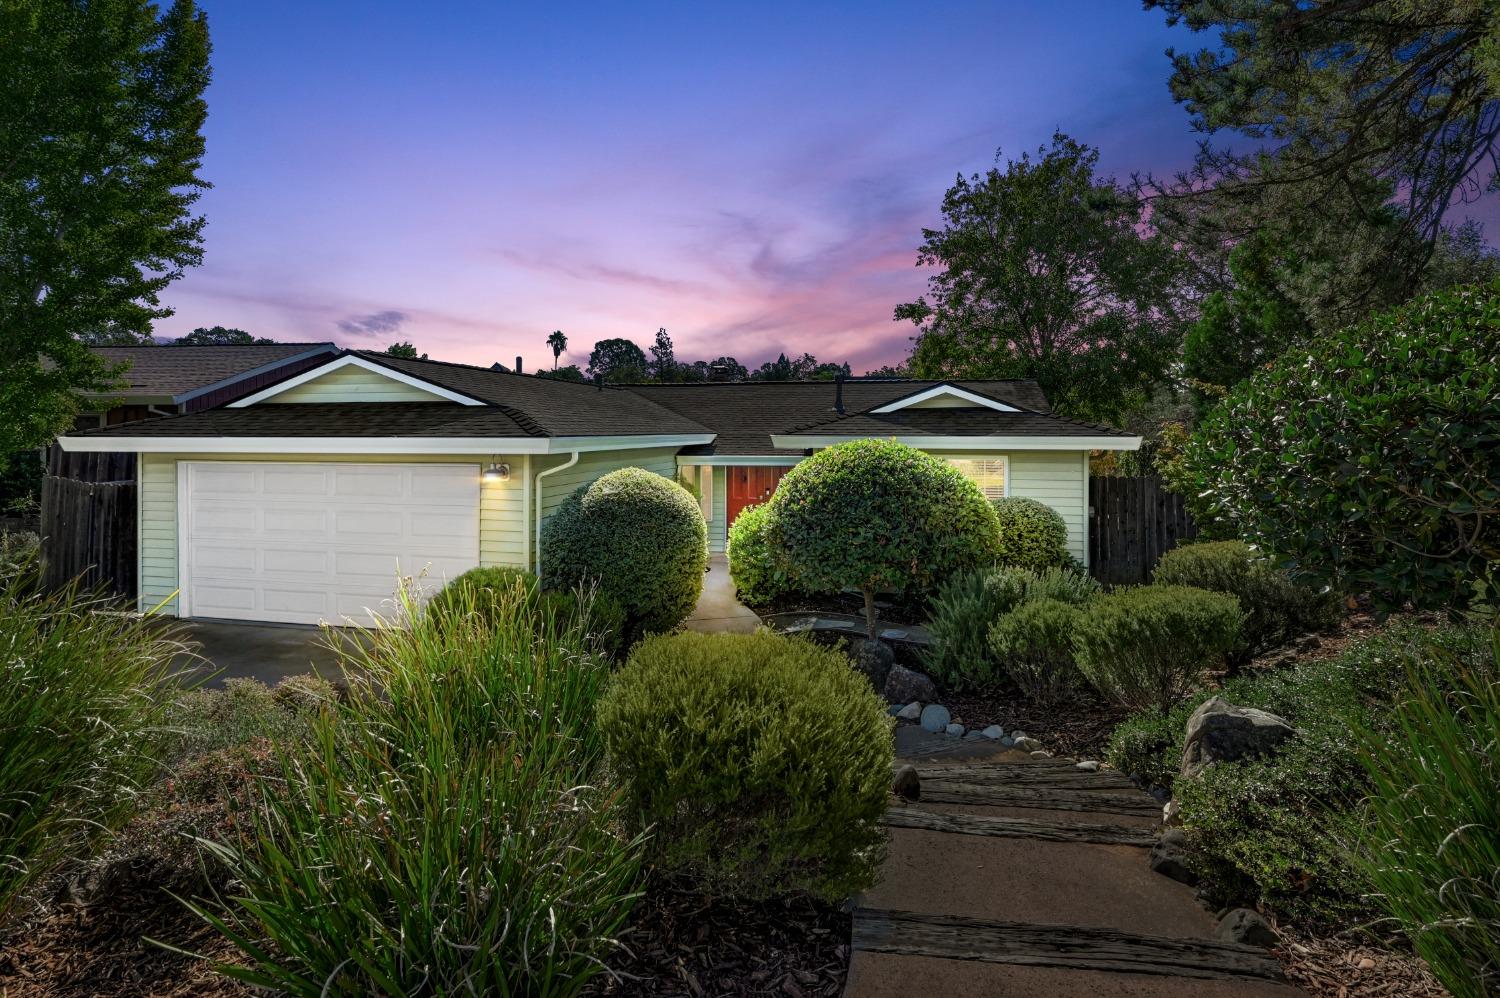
748 486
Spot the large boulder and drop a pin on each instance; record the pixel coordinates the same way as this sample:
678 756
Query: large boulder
903 685
874 659
1218 731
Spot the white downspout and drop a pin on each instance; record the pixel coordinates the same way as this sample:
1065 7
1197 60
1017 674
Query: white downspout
541 475
526 486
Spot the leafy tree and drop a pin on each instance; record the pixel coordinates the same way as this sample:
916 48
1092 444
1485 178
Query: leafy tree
828 372
877 515
1045 275
727 369
404 350
1369 460
786 369
569 372
663 364
1241 329
1461 256
218 336
890 371
617 361
1367 117
558 341
101 110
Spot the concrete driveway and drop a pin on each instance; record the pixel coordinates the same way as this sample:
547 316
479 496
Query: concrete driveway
236 649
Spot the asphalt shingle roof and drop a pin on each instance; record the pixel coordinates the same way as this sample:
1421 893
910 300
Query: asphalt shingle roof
333 419
957 422
175 370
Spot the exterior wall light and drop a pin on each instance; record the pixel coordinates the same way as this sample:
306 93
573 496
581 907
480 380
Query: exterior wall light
497 473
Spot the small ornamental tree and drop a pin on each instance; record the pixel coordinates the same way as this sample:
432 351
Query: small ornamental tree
875 515
1369 460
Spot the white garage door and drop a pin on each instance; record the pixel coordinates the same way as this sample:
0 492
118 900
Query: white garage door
303 543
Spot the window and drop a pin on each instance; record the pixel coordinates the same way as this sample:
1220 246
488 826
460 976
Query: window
987 473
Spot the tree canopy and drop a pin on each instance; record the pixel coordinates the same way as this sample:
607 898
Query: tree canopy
617 360
404 350
102 110
218 336
1045 274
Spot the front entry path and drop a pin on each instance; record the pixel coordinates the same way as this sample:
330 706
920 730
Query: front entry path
1021 876
718 608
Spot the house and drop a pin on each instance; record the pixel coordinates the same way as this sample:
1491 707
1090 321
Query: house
301 502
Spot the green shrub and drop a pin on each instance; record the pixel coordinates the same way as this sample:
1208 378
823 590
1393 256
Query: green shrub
961 655
1034 645
1276 609
640 538
487 582
761 761
493 591
1147 646
84 691
1431 837
758 577
1275 830
1032 534
876 515
203 720
443 831
1368 458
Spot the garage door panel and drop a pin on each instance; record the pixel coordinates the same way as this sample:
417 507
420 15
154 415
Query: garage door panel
304 543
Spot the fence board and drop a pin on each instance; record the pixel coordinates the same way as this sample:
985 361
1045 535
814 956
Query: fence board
88 531
1132 523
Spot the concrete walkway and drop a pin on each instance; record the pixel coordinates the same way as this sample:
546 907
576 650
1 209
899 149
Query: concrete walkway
718 609
1021 876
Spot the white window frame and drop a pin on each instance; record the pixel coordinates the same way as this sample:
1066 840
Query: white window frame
1003 459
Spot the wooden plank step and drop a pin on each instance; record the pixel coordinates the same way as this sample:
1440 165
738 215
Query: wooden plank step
957 937
1048 798
1019 828
1020 775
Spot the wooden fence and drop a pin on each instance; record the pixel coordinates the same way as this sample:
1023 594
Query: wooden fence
1132 523
88 523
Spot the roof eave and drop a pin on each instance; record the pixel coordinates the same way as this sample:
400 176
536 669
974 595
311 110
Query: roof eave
255 372
798 441
272 445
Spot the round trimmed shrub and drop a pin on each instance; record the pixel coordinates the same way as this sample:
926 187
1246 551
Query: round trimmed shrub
1276 608
761 761
876 515
1368 458
639 537
1147 646
1034 645
758 577
1032 534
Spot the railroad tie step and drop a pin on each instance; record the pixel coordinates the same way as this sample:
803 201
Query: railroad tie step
1019 828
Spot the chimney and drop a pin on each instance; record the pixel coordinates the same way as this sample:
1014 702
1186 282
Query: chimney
838 393
518 365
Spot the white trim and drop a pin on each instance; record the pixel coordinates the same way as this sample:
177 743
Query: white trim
375 445
792 441
1004 460
140 550
348 360
183 609
254 372
525 513
743 461
945 389
541 504
1088 509
568 445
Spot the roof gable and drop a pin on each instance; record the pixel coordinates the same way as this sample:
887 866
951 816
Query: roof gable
181 373
353 379
945 396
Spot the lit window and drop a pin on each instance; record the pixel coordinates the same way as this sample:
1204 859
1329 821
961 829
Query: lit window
987 473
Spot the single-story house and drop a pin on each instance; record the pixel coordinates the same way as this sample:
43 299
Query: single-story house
302 501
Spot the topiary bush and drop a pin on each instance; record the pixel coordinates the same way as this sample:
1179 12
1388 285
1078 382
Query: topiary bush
876 515
1276 608
961 654
762 762
639 537
1034 645
1032 534
1368 460
759 577
1147 646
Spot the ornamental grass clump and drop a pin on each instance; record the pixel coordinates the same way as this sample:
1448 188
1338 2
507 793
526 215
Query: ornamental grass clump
84 694
1430 842
1147 646
761 762
490 593
445 830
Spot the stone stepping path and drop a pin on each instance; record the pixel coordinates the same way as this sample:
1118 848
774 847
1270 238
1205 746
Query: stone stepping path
1014 875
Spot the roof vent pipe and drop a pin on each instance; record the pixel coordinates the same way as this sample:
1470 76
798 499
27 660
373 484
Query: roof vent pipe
838 393
518 364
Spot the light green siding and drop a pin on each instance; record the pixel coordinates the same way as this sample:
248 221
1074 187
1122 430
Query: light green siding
557 487
502 534
718 529
354 384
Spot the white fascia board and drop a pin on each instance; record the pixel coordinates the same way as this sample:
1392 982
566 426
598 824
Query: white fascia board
567 445
350 360
946 389
743 461
272 446
254 372
788 441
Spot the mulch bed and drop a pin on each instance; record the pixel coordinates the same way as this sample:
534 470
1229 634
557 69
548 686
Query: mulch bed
685 944
1353 965
75 951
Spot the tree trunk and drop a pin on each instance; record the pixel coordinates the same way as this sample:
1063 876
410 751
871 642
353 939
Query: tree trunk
870 612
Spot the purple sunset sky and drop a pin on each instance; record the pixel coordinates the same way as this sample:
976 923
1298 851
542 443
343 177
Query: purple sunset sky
755 178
